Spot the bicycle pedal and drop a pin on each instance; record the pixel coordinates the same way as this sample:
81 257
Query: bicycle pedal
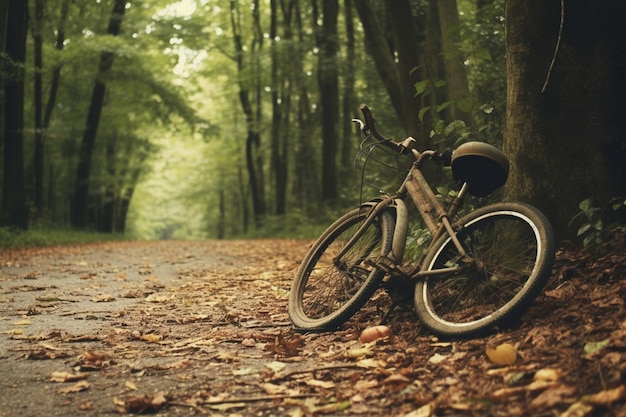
386 264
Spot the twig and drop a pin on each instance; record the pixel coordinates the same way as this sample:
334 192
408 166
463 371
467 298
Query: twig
315 369
556 48
257 398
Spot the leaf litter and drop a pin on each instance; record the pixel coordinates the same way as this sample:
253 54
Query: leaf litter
201 328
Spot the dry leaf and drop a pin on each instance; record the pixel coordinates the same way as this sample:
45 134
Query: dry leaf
144 403
150 338
503 355
606 397
373 333
437 358
423 411
359 353
276 366
77 387
320 384
130 385
68 377
397 379
547 374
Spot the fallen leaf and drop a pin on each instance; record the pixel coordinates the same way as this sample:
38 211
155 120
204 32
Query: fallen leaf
397 379
358 353
437 358
606 397
503 355
320 384
423 411
68 377
578 409
130 385
144 404
77 387
591 348
276 366
547 374
150 338
374 333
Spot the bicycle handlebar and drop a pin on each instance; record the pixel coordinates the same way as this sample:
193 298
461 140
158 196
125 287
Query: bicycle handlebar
405 147
369 127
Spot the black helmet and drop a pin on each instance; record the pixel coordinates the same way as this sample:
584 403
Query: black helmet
484 167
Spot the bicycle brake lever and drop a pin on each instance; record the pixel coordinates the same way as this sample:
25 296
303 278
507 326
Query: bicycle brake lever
362 126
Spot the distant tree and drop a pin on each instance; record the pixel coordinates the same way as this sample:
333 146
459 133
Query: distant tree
250 102
328 84
14 208
566 123
80 200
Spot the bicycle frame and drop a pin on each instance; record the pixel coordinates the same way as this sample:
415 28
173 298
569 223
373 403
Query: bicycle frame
435 217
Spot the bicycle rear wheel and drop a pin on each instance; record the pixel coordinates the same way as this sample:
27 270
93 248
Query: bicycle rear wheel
513 248
327 291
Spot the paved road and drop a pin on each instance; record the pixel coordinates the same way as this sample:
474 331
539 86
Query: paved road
121 322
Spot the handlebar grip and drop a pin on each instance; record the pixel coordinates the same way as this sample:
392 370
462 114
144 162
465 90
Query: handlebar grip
370 126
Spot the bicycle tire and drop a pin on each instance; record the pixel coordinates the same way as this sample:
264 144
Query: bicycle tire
325 292
515 246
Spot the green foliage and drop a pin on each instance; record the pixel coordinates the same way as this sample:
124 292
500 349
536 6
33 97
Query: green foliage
595 222
15 238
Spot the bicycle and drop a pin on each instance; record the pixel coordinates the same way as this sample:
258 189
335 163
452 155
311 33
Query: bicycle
479 271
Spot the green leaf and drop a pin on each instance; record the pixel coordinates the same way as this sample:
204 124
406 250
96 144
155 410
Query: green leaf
443 106
482 53
583 229
422 112
421 87
592 347
466 104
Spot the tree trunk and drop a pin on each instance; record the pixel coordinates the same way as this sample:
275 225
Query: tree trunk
280 103
38 104
328 81
456 75
79 212
565 116
14 207
396 67
349 101
253 138
50 202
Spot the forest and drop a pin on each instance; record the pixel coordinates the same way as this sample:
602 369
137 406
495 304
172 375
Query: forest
199 119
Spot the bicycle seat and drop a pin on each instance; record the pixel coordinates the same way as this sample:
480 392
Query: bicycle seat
482 166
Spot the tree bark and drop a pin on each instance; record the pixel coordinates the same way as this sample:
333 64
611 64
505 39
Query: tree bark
396 61
14 206
79 212
565 117
253 138
38 104
328 81
456 76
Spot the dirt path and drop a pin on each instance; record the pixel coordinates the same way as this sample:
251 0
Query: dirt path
200 328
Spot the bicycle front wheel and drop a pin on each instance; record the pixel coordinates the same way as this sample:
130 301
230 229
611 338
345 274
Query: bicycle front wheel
512 250
328 289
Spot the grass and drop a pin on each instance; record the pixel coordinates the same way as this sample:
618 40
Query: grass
16 238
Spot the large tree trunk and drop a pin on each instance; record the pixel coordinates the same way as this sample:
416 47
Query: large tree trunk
456 74
396 63
79 212
565 116
50 202
38 104
14 207
253 139
328 81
